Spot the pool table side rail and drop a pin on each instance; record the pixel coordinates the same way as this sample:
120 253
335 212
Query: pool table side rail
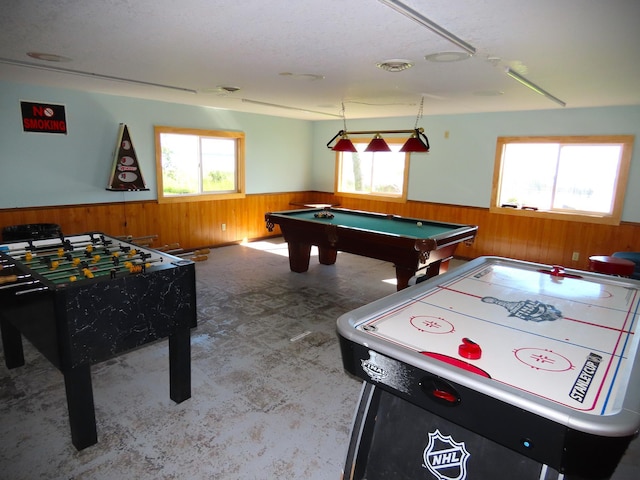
456 233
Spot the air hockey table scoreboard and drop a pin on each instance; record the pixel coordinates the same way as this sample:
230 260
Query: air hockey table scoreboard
499 367
82 299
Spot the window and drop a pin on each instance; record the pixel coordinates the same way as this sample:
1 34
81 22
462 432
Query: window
579 178
373 174
194 165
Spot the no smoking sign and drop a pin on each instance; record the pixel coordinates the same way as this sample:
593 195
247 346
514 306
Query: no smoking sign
43 117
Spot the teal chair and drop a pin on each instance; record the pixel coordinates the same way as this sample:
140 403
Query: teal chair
634 257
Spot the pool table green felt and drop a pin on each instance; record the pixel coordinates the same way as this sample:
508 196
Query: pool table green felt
391 225
407 242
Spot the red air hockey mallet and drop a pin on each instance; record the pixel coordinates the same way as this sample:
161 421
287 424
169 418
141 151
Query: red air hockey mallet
469 349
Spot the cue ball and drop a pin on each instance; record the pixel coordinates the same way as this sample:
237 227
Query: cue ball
419 224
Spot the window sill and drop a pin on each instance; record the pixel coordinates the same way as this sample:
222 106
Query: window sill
372 196
200 198
545 214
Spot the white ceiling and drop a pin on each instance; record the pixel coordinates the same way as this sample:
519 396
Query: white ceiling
585 52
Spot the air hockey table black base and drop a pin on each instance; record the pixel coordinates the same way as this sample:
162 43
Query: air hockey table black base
393 439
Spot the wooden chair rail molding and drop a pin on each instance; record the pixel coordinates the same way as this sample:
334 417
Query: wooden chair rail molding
200 225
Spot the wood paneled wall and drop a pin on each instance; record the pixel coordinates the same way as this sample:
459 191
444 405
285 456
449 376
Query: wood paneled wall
525 238
199 224
191 224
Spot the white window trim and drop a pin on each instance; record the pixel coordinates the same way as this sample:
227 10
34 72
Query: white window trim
402 198
620 189
199 197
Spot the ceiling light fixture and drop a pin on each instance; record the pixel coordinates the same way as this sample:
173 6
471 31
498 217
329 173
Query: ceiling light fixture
418 142
302 76
344 144
447 57
221 90
48 57
285 107
80 73
377 144
425 22
414 144
519 78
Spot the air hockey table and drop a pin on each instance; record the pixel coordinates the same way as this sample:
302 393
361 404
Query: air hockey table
496 369
82 299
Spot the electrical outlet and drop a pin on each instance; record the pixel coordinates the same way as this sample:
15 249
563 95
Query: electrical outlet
576 256
223 227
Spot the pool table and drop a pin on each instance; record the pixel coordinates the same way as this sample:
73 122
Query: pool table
407 242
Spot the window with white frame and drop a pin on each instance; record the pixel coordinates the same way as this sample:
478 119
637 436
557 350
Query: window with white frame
578 177
194 165
373 174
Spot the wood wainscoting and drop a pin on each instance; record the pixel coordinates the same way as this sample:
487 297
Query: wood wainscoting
199 224
192 225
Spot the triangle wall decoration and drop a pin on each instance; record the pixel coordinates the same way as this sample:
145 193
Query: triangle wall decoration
125 172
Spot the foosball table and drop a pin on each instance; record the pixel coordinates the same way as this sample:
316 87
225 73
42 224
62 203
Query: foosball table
85 298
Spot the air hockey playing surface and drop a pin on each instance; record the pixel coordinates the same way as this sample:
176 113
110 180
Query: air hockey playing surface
558 345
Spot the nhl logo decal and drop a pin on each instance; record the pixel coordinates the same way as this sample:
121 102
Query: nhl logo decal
386 370
445 458
371 368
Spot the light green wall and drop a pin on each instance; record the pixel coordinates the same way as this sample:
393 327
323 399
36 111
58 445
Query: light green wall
282 154
459 170
40 169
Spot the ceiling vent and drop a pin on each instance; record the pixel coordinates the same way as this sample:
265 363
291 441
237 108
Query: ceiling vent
394 65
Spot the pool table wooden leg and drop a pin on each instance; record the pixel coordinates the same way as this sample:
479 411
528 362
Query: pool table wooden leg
403 275
299 256
444 265
327 256
436 268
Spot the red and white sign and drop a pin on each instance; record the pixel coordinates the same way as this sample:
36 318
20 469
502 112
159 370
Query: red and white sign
43 117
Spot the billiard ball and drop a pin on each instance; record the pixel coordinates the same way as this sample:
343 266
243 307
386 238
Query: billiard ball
419 224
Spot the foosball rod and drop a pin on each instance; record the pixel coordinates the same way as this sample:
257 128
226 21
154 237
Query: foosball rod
8 279
109 255
98 266
39 251
195 253
99 249
67 275
105 248
145 240
6 264
39 263
95 239
122 268
173 247
6 286
44 268
32 290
